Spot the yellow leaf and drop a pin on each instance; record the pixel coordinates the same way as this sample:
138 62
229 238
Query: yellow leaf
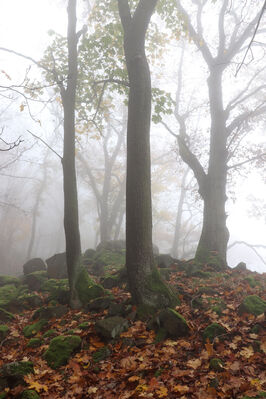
134 378
194 363
35 384
162 392
209 347
141 388
247 352
181 388
21 108
92 390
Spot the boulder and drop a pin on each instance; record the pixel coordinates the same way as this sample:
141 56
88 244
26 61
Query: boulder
34 343
112 245
7 280
111 327
252 304
58 290
60 350
50 312
241 266
101 354
30 394
35 280
4 330
11 374
88 256
106 259
99 304
34 265
32 329
164 261
214 330
86 288
56 266
6 316
174 324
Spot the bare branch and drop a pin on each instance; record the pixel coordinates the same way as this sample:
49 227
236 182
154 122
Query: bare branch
253 247
46 144
237 165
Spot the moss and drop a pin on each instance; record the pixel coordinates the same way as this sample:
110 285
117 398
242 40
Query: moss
256 329
30 394
161 335
4 330
210 258
216 364
161 295
60 349
32 329
17 369
144 311
84 326
3 395
58 290
212 331
218 307
207 290
86 287
8 280
110 258
173 322
49 333
6 316
101 354
251 281
34 343
7 293
259 396
252 304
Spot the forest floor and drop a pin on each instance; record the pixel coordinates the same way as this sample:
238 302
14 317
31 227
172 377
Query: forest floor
135 365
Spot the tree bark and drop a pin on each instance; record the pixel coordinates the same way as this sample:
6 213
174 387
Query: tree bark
145 284
71 219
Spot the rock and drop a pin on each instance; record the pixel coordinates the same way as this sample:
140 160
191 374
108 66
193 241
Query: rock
60 350
112 245
88 256
4 330
34 343
49 333
8 293
30 394
101 354
86 288
7 280
111 327
214 330
99 304
106 259
166 274
50 312
117 279
164 261
56 266
35 280
12 373
32 329
216 364
58 290
6 316
34 265
242 266
252 304
117 309
29 300
84 326
175 324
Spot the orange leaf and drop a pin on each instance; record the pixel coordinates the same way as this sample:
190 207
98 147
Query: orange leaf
209 347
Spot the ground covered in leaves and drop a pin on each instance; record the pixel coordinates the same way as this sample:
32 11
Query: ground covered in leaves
137 364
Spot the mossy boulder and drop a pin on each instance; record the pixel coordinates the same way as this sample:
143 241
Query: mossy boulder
6 316
7 280
105 260
32 329
88 256
111 327
214 330
50 312
12 373
101 354
4 330
49 333
251 281
29 300
30 394
210 258
86 288
99 304
164 261
58 290
174 324
216 364
35 280
34 343
34 265
8 293
260 395
60 350
252 304
56 266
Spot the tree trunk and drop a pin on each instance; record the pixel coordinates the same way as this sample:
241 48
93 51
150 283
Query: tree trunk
145 284
71 220
215 235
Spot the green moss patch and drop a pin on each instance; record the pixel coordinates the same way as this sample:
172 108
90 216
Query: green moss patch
30 394
34 343
159 294
9 280
86 288
252 304
7 293
216 364
32 329
101 354
6 316
60 350
49 333
174 323
214 330
4 330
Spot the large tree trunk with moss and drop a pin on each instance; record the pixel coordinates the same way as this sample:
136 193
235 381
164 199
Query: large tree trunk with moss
71 220
145 284
215 235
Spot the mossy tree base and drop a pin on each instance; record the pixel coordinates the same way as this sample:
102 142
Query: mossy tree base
210 258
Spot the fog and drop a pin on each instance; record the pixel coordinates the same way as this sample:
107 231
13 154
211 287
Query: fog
31 189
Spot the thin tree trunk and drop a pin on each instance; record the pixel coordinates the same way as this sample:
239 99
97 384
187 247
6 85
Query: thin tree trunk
144 281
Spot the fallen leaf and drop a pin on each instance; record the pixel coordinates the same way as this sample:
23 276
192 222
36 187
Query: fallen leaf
194 363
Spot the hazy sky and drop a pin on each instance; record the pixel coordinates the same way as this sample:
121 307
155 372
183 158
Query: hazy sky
24 26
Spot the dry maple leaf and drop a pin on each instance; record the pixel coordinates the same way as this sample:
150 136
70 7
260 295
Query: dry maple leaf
181 389
134 378
162 392
194 363
247 352
209 347
129 363
35 385
92 390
